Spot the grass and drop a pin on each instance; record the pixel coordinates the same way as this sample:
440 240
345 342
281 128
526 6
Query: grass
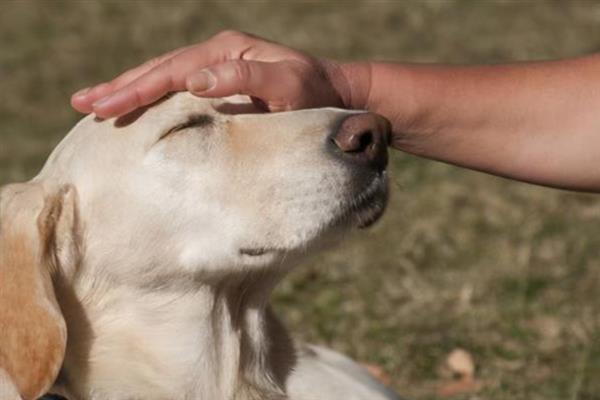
507 271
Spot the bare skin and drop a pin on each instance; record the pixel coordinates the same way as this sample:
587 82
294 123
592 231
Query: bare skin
537 122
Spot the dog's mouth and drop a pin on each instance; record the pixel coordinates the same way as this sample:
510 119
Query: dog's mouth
361 209
368 205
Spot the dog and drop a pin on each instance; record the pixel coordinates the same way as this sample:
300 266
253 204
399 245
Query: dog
138 264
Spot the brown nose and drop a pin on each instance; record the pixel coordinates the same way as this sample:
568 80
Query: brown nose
363 139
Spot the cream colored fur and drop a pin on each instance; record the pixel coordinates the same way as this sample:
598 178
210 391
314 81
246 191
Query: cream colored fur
165 245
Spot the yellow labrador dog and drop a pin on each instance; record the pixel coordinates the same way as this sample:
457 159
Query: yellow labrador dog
139 263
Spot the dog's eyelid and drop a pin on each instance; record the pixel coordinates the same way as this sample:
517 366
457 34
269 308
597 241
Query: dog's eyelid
193 121
254 252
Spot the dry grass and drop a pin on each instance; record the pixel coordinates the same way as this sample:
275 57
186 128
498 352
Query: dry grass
508 271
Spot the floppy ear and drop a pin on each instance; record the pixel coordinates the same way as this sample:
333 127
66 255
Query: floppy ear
36 236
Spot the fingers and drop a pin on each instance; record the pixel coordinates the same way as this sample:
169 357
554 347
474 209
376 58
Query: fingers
143 91
168 76
278 83
131 89
84 99
230 72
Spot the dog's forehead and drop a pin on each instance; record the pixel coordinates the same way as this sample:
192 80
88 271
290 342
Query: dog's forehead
184 103
174 110
94 144
171 109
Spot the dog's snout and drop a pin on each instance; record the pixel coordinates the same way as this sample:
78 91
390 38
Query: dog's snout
363 138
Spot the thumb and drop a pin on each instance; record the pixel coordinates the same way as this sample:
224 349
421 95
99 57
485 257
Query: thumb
272 82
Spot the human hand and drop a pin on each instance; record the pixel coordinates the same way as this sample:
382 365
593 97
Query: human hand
278 78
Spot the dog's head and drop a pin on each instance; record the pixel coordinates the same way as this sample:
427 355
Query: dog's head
188 189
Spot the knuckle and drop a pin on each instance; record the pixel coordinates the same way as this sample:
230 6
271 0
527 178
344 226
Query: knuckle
155 62
297 90
229 34
298 83
167 70
233 36
241 71
138 97
167 65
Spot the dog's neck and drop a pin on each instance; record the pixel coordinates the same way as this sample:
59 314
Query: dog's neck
203 341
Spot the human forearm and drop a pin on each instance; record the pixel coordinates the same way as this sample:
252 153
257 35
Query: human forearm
536 122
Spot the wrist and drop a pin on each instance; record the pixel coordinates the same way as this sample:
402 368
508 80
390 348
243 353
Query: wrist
403 93
397 91
351 81
406 95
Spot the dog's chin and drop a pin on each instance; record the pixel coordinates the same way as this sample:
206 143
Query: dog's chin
369 216
367 207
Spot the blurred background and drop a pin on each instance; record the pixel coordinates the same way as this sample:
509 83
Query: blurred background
508 272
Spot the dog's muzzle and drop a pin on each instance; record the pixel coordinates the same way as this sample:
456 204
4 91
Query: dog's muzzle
362 140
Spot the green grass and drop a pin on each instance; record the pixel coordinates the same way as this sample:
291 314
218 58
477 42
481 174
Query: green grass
508 271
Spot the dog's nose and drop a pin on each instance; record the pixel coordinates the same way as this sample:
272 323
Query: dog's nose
363 138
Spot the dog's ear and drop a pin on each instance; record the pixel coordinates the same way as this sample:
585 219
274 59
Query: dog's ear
37 241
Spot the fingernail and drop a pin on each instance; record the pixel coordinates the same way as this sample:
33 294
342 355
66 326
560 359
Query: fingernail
201 82
82 92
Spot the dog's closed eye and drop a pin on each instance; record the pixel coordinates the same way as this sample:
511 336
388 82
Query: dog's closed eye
193 121
258 251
